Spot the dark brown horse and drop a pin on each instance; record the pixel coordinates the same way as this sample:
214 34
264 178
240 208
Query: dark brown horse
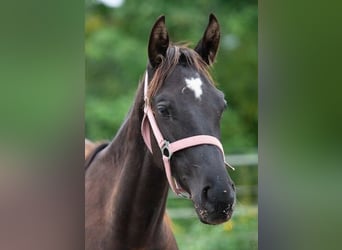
126 185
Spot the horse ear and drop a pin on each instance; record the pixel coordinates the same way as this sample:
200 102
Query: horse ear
158 43
207 47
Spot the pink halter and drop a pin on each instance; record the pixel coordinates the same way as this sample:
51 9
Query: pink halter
167 148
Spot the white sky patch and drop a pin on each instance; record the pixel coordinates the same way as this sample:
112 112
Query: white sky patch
195 84
112 3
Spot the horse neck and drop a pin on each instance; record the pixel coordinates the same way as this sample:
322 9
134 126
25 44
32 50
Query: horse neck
140 191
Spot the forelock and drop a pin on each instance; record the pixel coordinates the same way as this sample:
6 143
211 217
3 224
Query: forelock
174 55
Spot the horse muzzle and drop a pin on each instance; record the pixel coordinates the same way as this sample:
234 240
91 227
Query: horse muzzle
215 205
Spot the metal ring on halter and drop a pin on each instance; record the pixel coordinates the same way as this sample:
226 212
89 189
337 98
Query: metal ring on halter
165 150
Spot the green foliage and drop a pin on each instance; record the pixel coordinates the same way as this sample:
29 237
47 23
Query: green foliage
107 117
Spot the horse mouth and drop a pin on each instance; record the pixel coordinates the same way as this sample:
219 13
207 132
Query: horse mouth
214 216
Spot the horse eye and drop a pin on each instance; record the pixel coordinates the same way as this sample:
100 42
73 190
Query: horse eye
163 111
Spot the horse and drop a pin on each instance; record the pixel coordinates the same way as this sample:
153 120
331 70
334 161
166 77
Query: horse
170 138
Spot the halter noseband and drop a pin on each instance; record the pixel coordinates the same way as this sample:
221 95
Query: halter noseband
167 148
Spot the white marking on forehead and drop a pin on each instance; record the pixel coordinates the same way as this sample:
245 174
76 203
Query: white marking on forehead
195 84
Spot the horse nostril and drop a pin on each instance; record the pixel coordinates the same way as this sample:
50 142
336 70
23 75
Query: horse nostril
218 195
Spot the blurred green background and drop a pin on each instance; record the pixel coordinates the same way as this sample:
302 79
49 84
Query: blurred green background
116 37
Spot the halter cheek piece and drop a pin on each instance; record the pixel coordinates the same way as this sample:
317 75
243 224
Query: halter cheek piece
167 148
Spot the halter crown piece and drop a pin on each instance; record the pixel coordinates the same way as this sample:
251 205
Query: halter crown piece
167 148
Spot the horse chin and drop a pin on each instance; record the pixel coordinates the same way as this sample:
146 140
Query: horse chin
213 217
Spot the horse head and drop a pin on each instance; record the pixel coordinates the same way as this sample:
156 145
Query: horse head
185 103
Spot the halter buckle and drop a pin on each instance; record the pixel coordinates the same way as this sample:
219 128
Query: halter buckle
165 150
184 195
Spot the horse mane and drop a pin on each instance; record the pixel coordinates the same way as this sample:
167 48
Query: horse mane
175 54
